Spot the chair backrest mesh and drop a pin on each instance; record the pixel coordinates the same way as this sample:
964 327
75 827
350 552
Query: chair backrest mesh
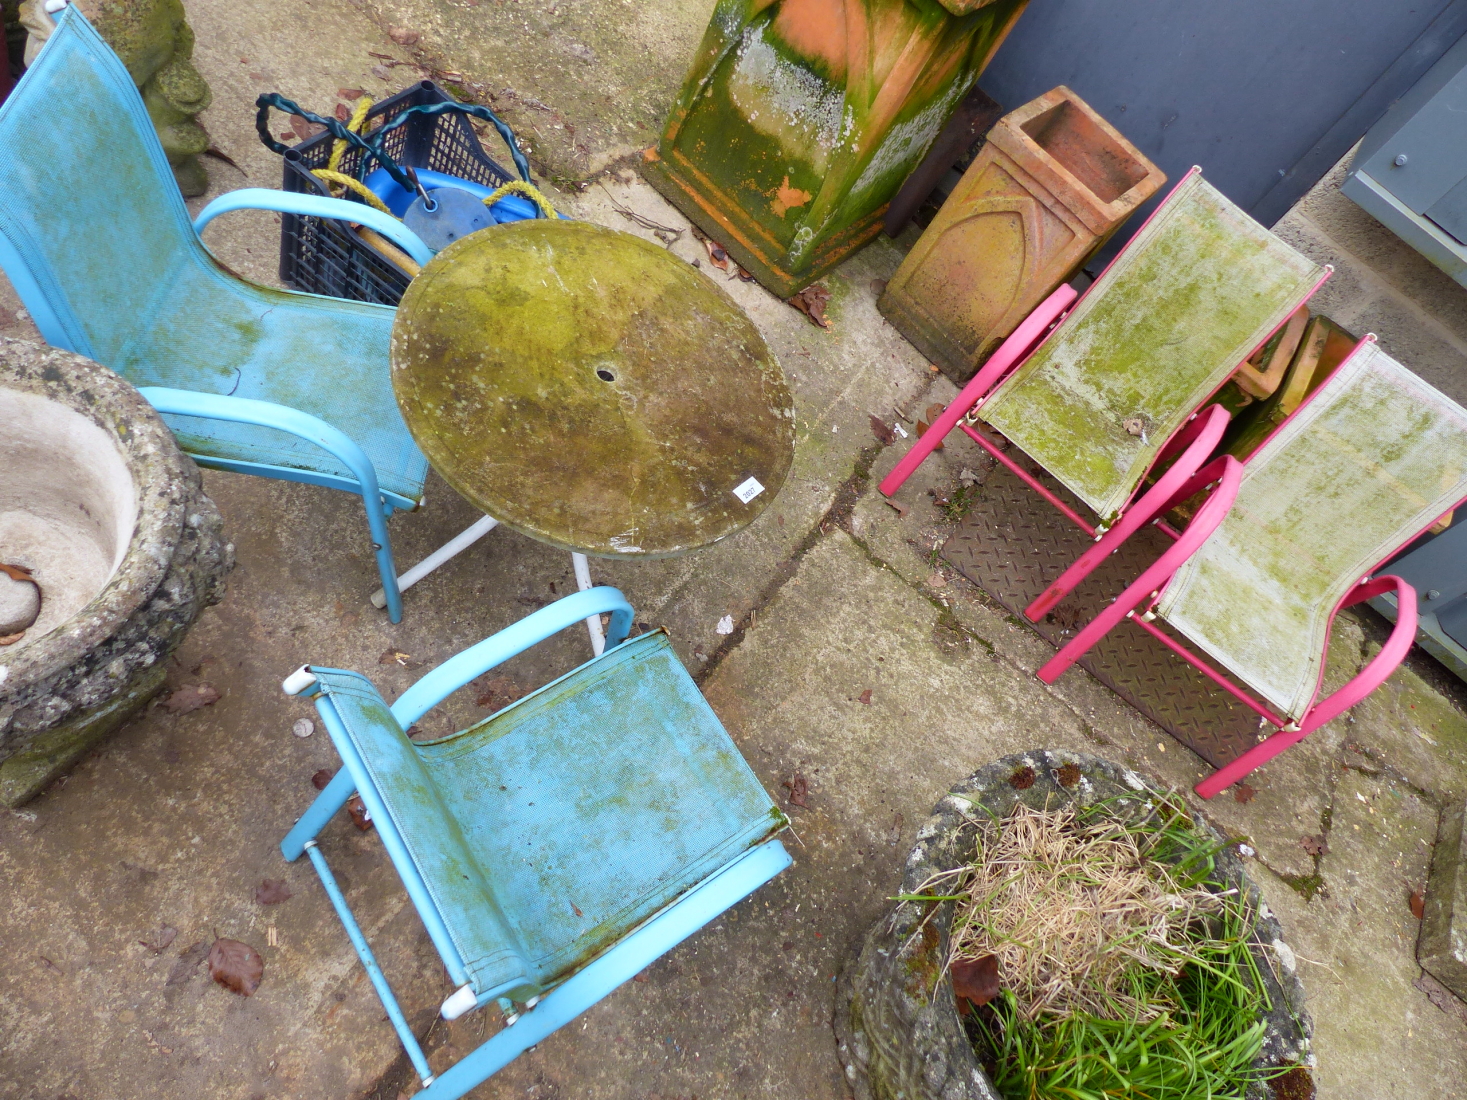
1193 294
87 200
431 834
1373 458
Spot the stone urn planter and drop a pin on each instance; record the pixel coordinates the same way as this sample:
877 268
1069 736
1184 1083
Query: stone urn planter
111 552
897 1021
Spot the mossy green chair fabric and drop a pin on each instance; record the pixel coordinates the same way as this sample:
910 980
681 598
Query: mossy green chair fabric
1198 289
1291 537
1374 459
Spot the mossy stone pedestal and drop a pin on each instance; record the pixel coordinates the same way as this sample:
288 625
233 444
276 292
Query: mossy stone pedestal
800 119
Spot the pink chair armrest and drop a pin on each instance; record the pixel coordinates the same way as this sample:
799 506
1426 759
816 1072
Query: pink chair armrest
1200 436
1228 473
1010 353
1383 663
1362 684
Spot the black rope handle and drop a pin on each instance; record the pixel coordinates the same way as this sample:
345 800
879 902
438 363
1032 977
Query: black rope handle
372 146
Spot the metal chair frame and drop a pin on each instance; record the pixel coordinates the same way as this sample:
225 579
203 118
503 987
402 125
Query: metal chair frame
1191 446
538 1017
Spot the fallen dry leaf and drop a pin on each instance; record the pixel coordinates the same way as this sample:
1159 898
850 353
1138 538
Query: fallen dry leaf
321 778
399 658
403 36
1243 793
191 697
358 811
272 891
304 129
799 790
716 254
350 93
745 276
11 639
381 72
1418 904
342 113
16 572
1441 996
188 961
901 509
236 966
498 693
865 697
1314 845
811 302
925 422
975 980
882 431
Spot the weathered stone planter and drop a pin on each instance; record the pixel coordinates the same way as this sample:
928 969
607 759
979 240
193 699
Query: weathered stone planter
799 120
110 519
1052 183
902 1036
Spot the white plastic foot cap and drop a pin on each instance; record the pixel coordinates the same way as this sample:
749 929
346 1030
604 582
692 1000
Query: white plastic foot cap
460 1001
298 680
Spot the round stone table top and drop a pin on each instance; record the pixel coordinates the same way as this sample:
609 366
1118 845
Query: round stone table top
590 389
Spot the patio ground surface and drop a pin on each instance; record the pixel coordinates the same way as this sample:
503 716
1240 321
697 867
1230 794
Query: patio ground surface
177 819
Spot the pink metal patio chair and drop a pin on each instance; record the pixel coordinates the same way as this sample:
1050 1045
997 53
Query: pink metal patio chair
1289 538
1101 390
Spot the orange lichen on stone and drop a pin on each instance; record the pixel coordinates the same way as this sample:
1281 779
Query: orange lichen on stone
787 198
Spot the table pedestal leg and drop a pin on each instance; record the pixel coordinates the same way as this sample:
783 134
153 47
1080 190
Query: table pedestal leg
449 549
583 582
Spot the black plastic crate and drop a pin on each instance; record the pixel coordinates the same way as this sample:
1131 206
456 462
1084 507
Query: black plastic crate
321 255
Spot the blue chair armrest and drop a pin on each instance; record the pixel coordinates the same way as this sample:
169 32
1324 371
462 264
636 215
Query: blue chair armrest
318 206
244 410
457 671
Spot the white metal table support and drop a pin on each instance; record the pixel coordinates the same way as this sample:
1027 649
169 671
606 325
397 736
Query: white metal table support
466 538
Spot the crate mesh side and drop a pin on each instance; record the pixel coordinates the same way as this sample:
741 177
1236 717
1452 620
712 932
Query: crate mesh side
321 256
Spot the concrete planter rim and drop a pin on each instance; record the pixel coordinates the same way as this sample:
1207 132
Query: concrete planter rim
876 987
154 461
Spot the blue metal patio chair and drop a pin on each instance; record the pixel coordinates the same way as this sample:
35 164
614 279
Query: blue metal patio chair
559 846
97 242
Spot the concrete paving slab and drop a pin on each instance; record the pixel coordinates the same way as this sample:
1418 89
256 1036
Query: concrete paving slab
587 82
1375 1034
834 592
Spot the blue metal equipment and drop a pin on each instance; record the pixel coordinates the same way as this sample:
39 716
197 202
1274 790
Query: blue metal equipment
556 848
97 242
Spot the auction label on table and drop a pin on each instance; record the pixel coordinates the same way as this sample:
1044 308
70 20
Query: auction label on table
748 490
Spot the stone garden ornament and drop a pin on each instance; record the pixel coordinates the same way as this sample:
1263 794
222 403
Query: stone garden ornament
155 42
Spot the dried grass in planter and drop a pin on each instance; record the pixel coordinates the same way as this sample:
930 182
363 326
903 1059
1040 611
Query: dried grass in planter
1124 969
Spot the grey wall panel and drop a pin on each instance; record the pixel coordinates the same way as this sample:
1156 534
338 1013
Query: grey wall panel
1265 94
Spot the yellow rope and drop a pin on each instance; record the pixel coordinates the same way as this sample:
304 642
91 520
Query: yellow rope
358 116
356 186
529 190
330 174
